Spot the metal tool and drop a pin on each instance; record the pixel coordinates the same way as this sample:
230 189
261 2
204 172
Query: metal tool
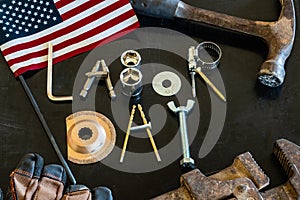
243 179
101 74
208 65
90 136
211 85
192 65
288 155
97 73
141 127
166 83
182 111
131 82
108 82
149 133
89 82
131 58
146 126
127 133
50 76
192 74
278 35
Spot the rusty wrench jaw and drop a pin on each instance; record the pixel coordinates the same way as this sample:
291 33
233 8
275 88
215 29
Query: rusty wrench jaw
278 35
243 179
288 155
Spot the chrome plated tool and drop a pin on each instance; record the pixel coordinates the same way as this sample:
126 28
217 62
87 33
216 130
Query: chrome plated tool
131 82
97 73
131 59
182 111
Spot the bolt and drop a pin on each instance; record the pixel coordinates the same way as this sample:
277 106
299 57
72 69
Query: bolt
241 188
182 112
141 127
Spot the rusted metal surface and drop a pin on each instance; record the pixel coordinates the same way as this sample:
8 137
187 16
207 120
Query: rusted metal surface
240 180
243 179
181 193
278 35
244 166
288 155
202 187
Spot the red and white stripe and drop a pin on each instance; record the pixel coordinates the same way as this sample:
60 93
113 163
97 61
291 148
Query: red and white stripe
86 25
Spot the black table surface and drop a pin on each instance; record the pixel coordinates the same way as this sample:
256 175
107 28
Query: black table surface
256 115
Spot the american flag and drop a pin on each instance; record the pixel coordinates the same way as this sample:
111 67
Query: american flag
72 26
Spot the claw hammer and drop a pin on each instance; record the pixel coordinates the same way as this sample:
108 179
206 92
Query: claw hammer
278 35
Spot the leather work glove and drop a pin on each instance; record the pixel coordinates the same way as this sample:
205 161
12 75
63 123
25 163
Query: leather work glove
31 180
81 192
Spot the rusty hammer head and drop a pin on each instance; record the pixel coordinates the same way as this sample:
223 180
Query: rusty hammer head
278 35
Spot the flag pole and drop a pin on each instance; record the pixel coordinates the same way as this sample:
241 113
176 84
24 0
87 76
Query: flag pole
47 129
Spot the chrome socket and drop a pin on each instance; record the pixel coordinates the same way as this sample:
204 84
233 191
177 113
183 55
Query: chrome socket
131 82
131 59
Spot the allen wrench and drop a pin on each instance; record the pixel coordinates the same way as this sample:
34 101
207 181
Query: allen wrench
50 76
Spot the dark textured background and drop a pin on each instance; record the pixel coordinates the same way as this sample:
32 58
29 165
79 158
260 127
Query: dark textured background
256 116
